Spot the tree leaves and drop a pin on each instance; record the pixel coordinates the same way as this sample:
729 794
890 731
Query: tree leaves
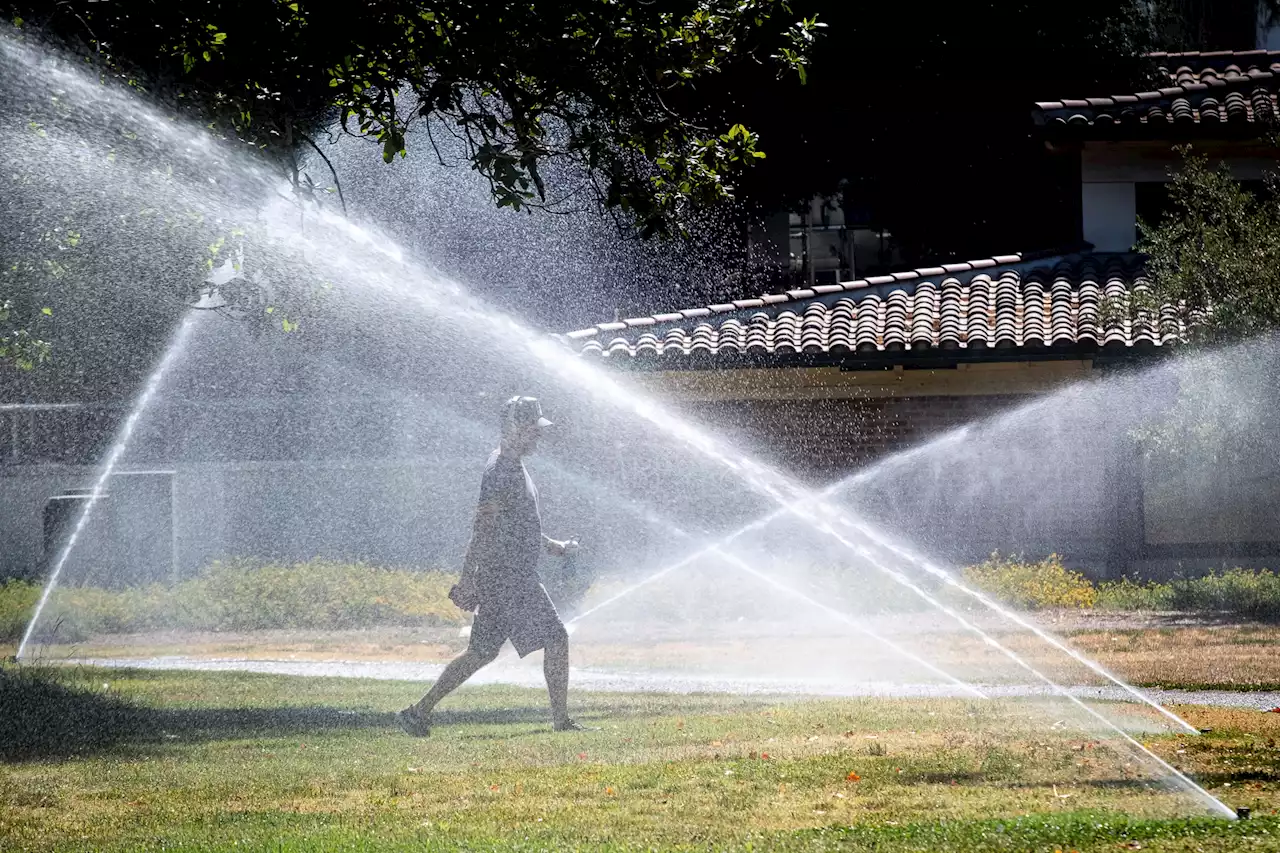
524 81
1214 260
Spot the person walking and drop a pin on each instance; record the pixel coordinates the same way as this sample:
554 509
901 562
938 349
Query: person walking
500 580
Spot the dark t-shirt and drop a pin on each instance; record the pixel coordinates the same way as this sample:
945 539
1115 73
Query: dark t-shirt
507 561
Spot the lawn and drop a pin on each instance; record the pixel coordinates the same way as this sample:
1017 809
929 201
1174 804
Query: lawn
127 759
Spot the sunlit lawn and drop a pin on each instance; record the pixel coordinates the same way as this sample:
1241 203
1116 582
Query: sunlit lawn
105 759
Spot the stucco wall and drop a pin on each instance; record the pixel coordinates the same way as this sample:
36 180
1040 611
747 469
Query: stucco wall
1109 170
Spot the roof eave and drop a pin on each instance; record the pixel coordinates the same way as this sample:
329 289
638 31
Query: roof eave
1141 131
933 358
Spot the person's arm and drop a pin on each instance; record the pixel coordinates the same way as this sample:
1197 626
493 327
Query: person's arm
487 509
481 535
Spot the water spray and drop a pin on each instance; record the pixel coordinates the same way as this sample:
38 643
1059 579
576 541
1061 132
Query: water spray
953 582
742 565
1190 785
176 346
439 296
856 624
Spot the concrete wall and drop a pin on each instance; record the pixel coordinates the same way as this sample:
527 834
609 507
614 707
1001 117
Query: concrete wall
1062 477
1054 481
127 538
1109 170
386 512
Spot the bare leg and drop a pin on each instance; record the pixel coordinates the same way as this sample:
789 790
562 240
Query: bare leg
555 667
459 670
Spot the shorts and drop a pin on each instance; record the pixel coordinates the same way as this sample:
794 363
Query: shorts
528 619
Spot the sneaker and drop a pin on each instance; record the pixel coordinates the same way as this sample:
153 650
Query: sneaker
568 725
413 722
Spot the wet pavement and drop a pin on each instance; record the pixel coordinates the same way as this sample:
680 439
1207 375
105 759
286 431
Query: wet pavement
511 671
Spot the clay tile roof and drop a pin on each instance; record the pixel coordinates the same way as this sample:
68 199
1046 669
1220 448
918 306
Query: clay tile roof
1224 90
1025 304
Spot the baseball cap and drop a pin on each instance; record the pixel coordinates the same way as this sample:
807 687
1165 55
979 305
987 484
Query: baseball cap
523 412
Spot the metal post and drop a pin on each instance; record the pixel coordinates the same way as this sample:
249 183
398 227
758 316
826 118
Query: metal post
806 232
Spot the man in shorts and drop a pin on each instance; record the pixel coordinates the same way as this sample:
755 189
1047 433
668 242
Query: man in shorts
500 576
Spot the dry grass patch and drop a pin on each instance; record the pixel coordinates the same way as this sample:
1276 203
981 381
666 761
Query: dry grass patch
1231 657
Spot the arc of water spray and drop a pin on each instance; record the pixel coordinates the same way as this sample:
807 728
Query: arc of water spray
865 553
757 476
1182 778
862 551
818 501
743 565
176 346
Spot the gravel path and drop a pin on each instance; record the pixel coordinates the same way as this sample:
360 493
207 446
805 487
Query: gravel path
513 672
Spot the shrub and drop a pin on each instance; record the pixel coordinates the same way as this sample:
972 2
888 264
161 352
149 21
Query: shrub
1126 594
17 601
241 595
1032 586
1244 592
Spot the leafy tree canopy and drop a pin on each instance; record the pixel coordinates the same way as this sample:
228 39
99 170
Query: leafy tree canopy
597 88
1214 259
1213 266
525 82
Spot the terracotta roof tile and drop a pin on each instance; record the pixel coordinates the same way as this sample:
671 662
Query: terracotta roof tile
1219 88
1029 304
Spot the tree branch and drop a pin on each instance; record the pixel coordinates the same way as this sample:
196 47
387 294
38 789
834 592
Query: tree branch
332 170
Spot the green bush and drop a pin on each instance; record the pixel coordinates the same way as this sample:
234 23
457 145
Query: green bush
1032 586
241 595
1244 592
17 601
1127 594
1240 592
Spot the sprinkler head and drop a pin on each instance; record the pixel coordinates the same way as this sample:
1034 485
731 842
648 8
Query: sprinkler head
1205 731
1242 813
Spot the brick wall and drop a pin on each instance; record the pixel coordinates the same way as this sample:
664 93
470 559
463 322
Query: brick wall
1033 486
822 440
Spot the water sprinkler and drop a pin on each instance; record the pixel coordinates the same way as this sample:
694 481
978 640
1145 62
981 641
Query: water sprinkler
1242 813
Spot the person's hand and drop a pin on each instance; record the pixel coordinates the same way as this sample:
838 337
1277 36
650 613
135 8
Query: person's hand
465 595
562 548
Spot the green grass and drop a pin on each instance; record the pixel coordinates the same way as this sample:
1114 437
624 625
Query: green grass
129 760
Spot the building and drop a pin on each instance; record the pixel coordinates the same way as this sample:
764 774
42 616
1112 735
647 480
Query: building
849 366
836 373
